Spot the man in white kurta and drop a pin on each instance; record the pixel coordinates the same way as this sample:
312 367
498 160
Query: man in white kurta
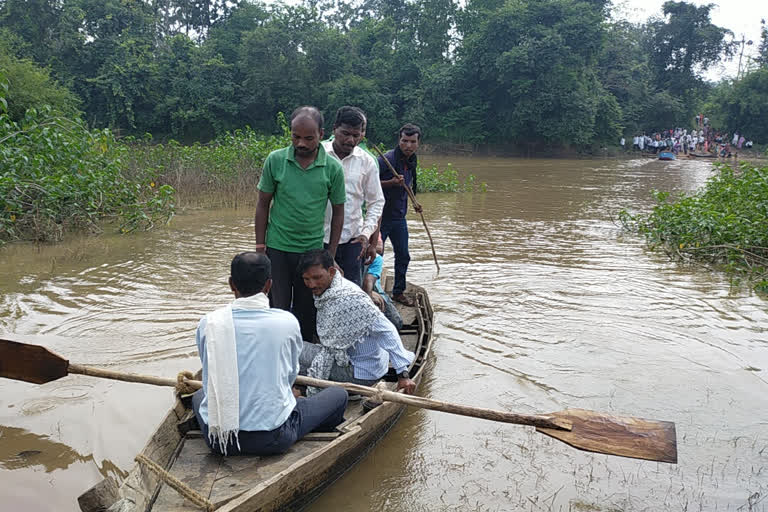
363 188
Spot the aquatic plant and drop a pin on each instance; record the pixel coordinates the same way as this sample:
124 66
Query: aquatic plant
447 179
224 172
724 224
57 175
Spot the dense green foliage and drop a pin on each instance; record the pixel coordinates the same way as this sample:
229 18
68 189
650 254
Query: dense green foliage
223 172
742 105
531 74
723 224
56 175
30 86
435 179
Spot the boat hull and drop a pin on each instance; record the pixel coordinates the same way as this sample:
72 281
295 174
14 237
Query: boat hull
243 483
666 155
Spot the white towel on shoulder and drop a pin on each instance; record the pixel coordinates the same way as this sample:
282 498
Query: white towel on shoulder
223 387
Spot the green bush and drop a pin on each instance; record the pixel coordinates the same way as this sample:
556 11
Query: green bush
30 86
725 223
224 172
57 175
434 179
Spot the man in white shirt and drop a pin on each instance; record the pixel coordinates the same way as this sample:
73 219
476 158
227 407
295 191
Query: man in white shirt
250 357
361 180
357 342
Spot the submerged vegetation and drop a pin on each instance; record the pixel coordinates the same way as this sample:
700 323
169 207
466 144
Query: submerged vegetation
723 224
224 172
57 175
434 179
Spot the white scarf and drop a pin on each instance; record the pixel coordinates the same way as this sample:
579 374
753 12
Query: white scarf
345 315
223 389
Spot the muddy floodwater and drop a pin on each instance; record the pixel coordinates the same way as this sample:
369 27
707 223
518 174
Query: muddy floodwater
541 304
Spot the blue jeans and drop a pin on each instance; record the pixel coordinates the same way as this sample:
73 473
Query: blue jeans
319 413
397 231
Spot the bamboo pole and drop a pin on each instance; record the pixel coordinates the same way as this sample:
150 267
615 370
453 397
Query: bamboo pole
534 420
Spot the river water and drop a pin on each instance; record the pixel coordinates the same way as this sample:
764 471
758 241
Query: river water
541 304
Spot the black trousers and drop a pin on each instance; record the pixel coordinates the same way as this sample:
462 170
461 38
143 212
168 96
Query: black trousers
319 413
289 293
348 258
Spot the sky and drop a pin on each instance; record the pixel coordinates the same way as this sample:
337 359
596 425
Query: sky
742 17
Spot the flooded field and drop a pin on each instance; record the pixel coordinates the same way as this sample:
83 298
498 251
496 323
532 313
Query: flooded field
542 304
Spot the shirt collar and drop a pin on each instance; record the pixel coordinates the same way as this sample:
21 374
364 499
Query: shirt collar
319 159
356 151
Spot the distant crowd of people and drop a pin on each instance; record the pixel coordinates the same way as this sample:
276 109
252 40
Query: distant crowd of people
702 139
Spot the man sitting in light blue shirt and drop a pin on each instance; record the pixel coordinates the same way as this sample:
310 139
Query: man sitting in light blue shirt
372 286
250 358
357 342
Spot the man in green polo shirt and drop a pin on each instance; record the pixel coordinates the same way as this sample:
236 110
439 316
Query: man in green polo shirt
298 182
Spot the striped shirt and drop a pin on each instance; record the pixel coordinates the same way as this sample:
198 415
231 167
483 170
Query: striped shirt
371 357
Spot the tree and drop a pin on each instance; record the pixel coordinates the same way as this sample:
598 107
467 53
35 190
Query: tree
534 62
762 50
30 86
684 44
744 105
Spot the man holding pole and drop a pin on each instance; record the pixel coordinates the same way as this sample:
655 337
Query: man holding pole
393 224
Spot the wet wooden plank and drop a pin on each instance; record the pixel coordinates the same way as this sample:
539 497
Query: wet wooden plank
197 467
240 474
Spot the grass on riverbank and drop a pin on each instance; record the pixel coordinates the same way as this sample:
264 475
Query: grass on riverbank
723 225
222 173
56 175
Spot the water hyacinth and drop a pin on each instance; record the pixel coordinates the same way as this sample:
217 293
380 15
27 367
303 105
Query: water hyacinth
725 224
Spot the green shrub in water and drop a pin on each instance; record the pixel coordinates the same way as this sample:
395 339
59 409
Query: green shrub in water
725 223
57 175
224 172
434 179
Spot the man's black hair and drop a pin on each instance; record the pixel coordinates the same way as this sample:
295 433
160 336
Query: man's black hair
310 112
351 116
315 257
410 129
250 271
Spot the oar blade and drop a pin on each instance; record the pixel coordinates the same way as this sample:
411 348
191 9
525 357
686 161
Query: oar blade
30 363
624 436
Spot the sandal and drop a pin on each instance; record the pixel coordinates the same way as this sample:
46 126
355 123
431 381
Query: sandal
402 299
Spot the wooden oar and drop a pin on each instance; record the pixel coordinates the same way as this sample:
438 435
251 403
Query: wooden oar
585 430
413 200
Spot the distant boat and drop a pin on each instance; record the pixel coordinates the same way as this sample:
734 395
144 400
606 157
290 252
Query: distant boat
666 155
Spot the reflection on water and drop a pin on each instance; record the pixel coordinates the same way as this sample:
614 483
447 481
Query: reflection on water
542 304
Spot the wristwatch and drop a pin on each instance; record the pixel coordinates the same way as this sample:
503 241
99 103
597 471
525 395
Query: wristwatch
404 375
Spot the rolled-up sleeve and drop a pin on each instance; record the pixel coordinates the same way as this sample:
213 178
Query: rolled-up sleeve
390 341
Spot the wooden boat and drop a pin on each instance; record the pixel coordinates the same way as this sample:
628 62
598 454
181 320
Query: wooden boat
702 155
250 483
666 155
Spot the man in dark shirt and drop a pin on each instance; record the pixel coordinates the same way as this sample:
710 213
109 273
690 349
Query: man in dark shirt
393 224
